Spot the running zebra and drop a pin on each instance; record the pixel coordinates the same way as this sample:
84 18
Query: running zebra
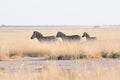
40 37
66 37
88 36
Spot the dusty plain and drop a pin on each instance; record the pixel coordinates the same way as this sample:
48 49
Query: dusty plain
24 59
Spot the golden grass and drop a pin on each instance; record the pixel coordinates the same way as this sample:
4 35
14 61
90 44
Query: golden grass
18 43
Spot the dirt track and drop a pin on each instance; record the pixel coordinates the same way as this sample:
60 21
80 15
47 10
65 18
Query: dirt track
31 64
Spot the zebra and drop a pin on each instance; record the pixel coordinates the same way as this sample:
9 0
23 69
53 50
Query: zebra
66 37
88 36
40 37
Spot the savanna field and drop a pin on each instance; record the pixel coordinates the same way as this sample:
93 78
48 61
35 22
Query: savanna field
24 59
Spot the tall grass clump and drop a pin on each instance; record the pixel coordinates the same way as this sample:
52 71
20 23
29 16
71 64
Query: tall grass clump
4 53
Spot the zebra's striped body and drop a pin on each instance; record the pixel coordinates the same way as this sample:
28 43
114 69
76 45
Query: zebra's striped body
66 37
40 37
88 36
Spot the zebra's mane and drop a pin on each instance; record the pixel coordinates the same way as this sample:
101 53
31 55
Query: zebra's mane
62 33
38 34
86 34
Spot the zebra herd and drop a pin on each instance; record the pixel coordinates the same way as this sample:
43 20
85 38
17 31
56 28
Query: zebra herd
61 35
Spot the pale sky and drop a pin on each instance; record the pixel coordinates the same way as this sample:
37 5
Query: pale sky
60 12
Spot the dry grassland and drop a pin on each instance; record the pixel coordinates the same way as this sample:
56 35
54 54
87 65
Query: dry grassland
17 43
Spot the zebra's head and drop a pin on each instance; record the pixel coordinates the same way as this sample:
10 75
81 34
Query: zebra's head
85 35
60 34
36 34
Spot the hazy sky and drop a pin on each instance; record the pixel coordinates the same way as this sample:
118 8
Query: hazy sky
60 12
